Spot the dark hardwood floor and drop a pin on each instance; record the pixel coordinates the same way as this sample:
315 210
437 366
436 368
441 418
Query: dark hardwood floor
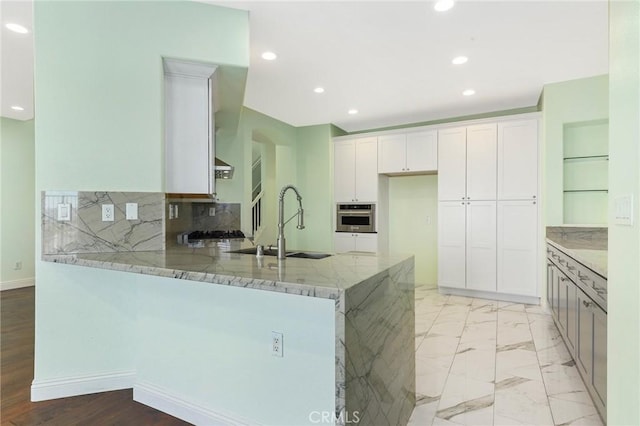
16 373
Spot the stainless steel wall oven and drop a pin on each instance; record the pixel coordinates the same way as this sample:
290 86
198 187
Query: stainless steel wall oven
356 218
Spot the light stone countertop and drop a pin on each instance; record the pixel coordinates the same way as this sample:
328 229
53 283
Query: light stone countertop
596 260
325 278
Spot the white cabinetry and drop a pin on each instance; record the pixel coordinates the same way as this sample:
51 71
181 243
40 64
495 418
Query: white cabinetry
189 124
488 244
467 163
482 151
346 241
518 160
467 245
409 153
356 170
452 164
517 247
452 237
481 245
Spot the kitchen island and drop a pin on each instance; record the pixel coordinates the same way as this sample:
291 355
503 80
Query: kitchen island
372 319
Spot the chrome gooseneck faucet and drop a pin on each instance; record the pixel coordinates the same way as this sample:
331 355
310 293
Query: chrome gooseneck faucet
282 251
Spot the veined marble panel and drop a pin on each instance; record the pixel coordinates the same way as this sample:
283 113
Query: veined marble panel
579 237
379 317
85 232
227 217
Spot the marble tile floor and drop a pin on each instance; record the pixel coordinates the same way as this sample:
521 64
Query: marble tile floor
485 362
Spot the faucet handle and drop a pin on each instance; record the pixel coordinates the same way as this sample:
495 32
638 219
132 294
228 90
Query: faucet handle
300 218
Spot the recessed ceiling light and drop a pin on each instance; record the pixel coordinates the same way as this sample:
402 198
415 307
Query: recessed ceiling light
353 111
469 92
17 108
319 90
459 60
269 56
17 28
443 5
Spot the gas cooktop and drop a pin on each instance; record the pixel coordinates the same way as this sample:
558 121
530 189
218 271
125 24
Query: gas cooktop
217 235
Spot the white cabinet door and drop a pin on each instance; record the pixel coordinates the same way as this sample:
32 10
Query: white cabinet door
343 242
517 247
366 242
452 164
344 167
366 165
481 245
451 244
422 151
482 160
187 135
392 154
518 160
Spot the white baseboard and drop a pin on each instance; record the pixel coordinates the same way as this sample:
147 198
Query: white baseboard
529 300
160 399
42 390
10 285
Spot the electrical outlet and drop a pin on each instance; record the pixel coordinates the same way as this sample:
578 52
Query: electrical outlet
276 344
18 265
108 213
212 211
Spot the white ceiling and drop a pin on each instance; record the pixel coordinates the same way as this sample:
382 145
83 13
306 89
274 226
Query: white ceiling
16 54
391 60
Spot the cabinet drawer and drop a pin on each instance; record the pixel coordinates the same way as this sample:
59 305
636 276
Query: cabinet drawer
593 284
565 263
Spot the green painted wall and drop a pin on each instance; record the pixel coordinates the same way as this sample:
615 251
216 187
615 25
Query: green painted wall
566 102
413 223
290 155
624 241
99 126
17 197
315 171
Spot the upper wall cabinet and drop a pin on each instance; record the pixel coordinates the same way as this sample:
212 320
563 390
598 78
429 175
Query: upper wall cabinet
411 153
452 164
467 163
355 170
518 160
189 128
481 162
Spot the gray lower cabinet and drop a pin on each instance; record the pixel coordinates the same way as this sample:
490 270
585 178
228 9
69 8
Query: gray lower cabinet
567 310
600 353
572 292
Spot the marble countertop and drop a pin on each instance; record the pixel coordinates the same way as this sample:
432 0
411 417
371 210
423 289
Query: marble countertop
325 278
596 260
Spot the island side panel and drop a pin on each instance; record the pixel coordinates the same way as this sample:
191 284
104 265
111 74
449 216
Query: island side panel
379 348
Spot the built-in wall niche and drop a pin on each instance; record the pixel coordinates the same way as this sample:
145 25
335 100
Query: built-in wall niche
586 171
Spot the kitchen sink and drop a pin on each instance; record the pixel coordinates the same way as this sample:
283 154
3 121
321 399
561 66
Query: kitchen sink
274 252
308 255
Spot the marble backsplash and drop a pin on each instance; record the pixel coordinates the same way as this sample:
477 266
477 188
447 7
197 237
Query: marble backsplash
85 232
226 218
579 237
195 217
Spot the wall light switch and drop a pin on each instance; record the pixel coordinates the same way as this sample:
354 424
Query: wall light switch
108 213
64 212
132 211
212 211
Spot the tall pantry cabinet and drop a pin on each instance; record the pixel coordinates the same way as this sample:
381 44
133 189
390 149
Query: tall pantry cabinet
488 208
